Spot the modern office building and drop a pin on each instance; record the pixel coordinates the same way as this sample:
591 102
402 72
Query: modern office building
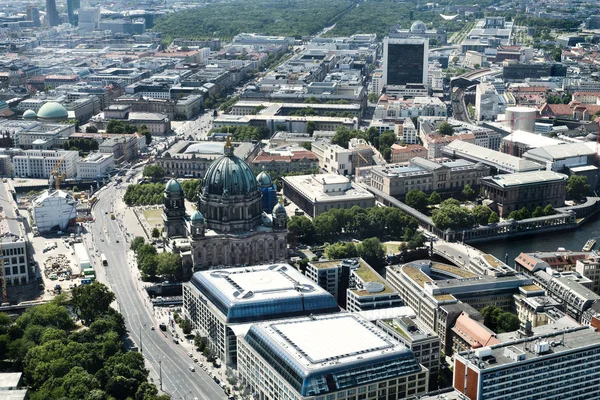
559 364
426 286
340 356
219 301
95 165
52 17
405 61
423 342
41 163
72 6
527 189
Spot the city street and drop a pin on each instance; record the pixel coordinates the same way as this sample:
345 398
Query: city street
197 128
109 237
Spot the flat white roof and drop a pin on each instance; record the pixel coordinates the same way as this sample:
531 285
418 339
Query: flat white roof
526 178
260 283
356 338
311 186
316 342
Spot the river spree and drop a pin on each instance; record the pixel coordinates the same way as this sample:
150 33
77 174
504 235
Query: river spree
570 239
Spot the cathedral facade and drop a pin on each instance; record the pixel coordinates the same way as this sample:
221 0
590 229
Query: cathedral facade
229 226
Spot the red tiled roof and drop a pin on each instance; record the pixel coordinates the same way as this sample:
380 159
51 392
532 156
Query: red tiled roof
474 332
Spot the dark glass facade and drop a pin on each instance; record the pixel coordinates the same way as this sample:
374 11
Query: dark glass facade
405 63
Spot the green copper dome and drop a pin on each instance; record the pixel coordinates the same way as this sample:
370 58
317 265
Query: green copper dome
279 209
173 186
29 114
229 175
264 179
52 110
197 216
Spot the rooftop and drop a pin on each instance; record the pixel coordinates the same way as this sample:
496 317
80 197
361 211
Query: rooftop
368 274
525 178
490 157
350 351
249 293
315 188
556 341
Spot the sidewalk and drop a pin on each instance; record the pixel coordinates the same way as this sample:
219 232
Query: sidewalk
162 315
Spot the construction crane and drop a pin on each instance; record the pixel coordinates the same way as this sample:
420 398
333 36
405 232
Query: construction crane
56 177
2 272
360 156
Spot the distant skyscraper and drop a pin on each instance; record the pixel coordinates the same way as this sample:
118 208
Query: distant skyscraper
51 13
72 6
33 15
88 19
405 61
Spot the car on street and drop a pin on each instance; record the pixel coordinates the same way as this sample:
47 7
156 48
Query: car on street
192 368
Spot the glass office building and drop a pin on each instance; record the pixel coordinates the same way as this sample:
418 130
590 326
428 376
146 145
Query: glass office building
342 356
220 302
405 61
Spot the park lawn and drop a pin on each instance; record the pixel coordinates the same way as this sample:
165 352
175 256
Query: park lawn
153 216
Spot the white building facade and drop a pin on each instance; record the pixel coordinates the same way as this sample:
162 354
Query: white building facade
95 165
41 163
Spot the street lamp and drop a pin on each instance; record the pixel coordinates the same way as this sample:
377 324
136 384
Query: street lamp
141 341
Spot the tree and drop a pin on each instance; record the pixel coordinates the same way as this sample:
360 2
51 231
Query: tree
154 172
507 322
136 243
200 342
169 264
578 187
416 199
311 126
341 250
538 212
155 232
372 251
386 153
387 139
373 97
451 215
482 214
342 137
434 198
549 210
75 189
91 129
494 218
468 192
524 213
446 129
186 326
418 240
490 316
143 130
91 301
301 230
306 145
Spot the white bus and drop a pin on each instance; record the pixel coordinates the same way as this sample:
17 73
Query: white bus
104 261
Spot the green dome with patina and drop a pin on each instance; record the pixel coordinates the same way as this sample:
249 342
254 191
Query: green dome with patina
52 110
173 186
29 114
229 175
